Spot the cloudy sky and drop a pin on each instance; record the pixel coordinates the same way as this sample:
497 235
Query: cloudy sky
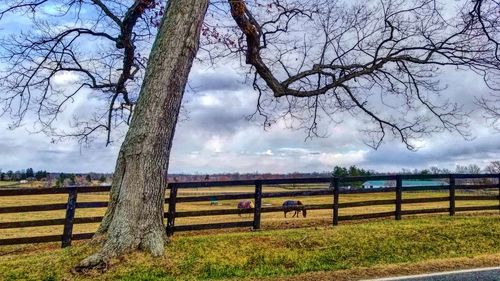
216 136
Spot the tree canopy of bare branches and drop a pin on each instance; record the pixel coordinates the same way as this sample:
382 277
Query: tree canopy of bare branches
381 61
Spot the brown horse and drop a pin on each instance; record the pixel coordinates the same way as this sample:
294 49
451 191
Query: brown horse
295 206
244 205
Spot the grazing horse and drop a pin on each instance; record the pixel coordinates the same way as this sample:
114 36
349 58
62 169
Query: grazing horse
213 201
295 206
244 205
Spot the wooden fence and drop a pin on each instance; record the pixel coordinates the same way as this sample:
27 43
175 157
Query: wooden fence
68 222
488 181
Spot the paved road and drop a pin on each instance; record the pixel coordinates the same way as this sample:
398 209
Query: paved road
480 274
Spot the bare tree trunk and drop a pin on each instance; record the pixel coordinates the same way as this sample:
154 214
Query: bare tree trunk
134 219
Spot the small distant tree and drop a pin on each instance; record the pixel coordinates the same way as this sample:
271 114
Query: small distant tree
81 180
60 179
353 171
10 174
405 171
88 178
20 175
40 175
475 169
2 176
72 180
29 173
468 169
67 182
102 179
424 172
493 167
48 182
340 171
435 170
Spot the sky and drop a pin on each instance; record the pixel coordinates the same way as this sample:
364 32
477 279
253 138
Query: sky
215 136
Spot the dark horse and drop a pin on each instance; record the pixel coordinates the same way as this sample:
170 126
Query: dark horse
294 206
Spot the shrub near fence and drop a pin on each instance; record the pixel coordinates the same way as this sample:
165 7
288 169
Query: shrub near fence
489 181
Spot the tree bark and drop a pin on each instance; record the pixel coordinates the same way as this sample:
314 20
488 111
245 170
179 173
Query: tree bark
134 218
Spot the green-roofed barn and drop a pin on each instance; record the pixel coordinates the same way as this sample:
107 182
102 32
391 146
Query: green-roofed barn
406 183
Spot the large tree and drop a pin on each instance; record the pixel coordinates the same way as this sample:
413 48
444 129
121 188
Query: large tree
309 60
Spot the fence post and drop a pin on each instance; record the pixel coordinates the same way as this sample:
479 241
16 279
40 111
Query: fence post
498 192
171 209
336 188
452 195
258 204
399 196
70 215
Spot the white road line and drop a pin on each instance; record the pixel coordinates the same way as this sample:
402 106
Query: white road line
435 274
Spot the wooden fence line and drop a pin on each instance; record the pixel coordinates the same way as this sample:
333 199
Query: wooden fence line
334 190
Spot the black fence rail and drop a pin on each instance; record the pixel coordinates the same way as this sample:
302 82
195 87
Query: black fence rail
336 188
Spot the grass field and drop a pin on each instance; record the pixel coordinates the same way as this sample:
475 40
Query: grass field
8 183
269 220
346 252
17 184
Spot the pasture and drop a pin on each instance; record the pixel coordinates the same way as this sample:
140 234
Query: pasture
8 183
34 183
350 251
269 220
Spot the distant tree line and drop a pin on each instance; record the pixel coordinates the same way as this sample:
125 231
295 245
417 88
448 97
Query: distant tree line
242 176
52 179
23 175
68 179
492 168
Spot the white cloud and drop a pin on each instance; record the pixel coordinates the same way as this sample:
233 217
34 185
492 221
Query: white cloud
210 101
64 79
342 159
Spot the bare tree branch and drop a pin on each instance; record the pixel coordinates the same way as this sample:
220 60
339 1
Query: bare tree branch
394 47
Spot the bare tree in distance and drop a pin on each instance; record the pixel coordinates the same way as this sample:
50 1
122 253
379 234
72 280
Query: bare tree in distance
468 169
310 60
493 167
